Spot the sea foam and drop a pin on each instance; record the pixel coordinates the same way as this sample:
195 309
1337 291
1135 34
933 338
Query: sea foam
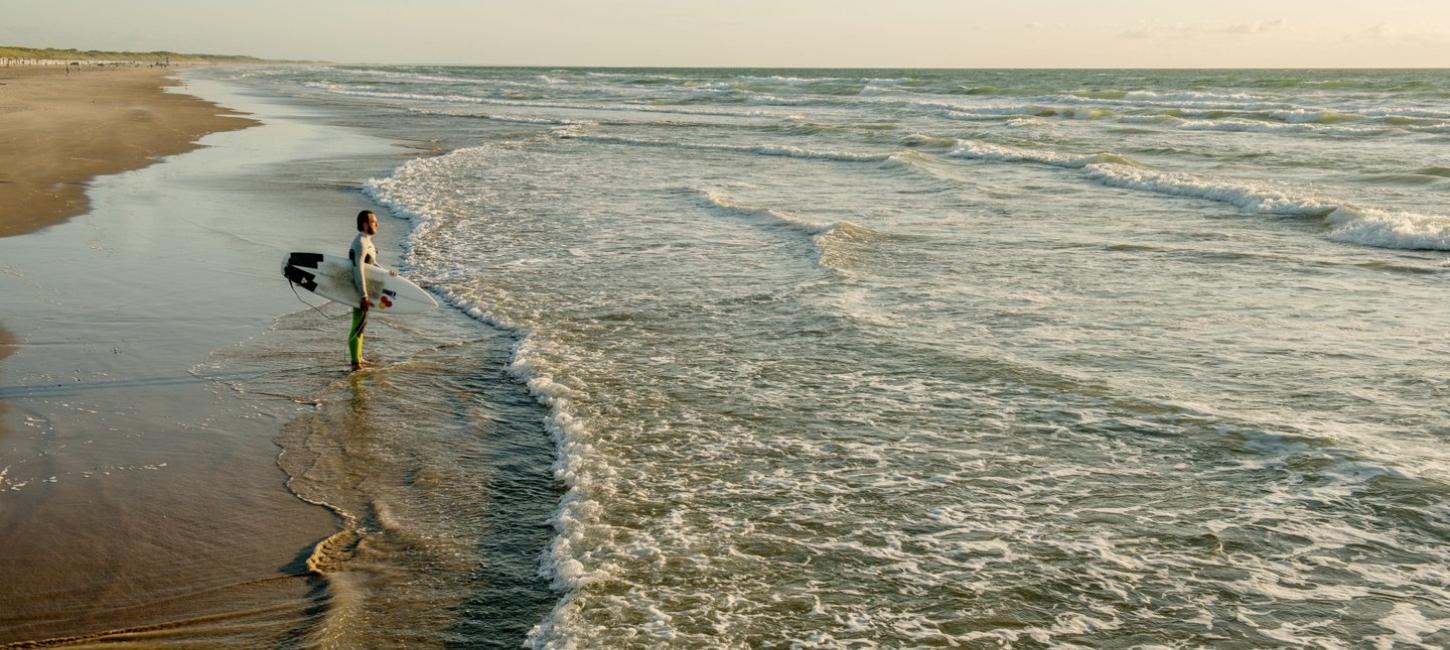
787 151
834 241
1349 223
411 192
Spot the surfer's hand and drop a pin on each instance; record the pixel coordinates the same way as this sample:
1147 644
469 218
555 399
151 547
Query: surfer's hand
392 273
365 305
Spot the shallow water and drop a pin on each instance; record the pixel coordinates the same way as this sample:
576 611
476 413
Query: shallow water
859 358
433 462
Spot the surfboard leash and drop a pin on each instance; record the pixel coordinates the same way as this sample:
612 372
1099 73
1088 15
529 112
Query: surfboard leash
293 285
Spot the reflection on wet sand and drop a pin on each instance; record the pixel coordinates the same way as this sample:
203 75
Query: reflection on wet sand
434 464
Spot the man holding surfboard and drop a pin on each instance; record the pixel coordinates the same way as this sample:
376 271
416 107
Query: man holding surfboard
356 281
362 252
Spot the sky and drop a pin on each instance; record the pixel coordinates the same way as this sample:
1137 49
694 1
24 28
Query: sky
760 33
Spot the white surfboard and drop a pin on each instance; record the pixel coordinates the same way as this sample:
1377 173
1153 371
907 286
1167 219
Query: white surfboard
330 276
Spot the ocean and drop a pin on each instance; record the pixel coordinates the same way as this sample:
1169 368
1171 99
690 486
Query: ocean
891 358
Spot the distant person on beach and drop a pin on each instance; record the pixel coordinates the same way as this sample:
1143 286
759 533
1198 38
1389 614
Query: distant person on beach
362 252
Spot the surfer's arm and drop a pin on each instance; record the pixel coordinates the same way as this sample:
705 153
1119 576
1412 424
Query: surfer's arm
390 271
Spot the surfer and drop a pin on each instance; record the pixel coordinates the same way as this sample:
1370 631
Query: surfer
362 252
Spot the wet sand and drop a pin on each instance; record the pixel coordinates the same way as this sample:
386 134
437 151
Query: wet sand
63 128
140 502
7 345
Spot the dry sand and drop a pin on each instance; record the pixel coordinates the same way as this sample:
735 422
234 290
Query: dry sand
58 129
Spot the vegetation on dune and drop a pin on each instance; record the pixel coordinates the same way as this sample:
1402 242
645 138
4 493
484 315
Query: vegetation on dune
16 52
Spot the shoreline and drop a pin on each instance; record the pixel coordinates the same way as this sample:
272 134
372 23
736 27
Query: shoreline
140 493
190 462
7 348
66 127
49 153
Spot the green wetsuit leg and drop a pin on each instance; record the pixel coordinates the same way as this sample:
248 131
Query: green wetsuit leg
355 335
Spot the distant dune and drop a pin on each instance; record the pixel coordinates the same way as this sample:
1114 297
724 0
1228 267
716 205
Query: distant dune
11 55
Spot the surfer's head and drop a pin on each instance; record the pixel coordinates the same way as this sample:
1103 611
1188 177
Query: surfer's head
367 222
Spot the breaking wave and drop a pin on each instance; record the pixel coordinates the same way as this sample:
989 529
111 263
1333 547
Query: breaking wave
835 242
1349 223
787 151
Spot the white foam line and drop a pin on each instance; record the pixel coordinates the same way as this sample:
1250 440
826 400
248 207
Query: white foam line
1390 229
418 76
762 150
512 119
1350 223
825 237
1246 196
1241 125
1272 114
564 572
776 217
986 151
338 89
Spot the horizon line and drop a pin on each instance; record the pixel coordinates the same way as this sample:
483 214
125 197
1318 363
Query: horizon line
1445 68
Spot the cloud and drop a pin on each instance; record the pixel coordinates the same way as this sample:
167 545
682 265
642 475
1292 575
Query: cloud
1153 30
1379 32
1384 32
1191 30
1263 26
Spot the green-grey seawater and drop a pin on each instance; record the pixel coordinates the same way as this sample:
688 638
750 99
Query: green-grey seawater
911 358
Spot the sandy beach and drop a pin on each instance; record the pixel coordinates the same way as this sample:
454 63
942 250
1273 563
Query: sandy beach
138 499
63 128
186 459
